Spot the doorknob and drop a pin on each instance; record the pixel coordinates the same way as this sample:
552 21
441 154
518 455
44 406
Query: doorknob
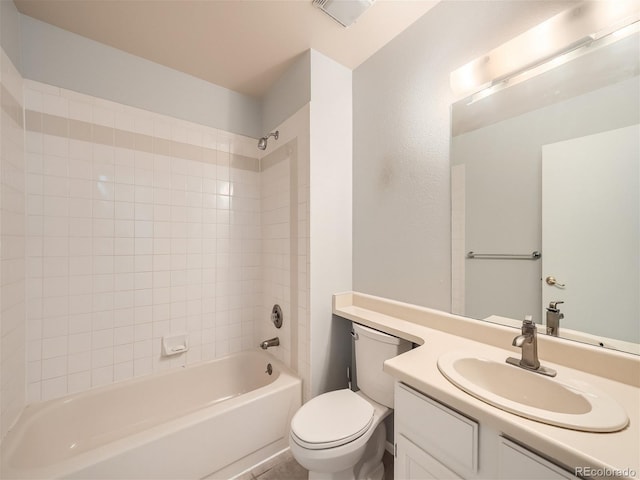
552 281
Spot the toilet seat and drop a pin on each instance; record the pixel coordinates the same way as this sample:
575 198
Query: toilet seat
331 420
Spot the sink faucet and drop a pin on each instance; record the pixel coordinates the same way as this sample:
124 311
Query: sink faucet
528 342
272 342
553 318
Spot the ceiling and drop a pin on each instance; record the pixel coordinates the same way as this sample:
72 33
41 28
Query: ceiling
243 45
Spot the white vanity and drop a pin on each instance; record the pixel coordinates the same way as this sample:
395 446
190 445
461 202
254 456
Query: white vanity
443 431
435 441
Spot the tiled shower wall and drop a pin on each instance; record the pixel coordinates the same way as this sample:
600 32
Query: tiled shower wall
138 225
276 247
12 231
283 250
285 244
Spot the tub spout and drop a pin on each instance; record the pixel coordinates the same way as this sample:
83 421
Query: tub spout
272 342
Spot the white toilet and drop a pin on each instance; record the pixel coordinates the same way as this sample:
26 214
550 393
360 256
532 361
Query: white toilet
341 435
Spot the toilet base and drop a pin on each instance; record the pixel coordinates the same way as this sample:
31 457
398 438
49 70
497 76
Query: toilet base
378 473
369 467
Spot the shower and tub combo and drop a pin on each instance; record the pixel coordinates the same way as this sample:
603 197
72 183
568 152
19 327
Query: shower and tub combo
213 419
195 422
199 421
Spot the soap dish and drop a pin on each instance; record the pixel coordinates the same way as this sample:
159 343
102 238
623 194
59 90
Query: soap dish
174 344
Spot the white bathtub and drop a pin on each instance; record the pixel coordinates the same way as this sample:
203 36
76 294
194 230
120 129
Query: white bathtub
212 419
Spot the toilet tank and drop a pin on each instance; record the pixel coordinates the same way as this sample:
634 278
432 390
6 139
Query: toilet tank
372 349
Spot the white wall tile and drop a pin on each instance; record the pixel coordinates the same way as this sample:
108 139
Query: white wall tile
78 382
103 115
125 246
55 146
54 104
80 150
79 110
52 388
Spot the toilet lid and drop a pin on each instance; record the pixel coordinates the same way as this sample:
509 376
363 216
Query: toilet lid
332 419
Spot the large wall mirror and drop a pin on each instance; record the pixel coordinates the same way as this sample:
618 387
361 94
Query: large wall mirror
545 197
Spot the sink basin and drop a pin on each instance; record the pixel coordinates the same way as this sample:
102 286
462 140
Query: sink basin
563 403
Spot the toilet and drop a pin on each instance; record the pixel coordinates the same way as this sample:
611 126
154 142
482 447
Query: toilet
341 435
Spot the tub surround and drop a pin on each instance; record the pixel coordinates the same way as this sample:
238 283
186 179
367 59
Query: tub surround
138 225
438 332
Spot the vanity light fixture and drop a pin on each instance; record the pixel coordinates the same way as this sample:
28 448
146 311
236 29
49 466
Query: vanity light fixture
562 34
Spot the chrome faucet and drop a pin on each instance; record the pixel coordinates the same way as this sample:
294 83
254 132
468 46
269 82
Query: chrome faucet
528 342
553 318
272 342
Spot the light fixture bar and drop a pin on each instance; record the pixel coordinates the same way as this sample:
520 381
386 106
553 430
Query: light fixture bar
589 45
562 33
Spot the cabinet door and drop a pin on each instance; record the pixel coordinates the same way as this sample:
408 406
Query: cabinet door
518 463
447 435
413 463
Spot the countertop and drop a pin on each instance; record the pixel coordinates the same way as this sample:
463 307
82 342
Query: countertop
614 454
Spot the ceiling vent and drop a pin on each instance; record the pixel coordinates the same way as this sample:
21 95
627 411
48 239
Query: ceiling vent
345 12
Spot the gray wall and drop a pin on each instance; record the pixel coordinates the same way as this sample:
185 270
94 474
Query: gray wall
10 31
290 93
57 57
401 174
67 60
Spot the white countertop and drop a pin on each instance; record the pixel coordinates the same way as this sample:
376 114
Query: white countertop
616 373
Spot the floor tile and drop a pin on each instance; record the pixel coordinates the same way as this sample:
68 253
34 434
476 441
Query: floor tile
286 470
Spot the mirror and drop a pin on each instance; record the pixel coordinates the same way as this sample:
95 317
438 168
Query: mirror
528 227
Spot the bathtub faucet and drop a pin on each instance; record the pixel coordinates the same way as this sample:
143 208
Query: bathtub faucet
272 342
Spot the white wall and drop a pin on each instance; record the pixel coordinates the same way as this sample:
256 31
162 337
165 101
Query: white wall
401 102
57 57
330 219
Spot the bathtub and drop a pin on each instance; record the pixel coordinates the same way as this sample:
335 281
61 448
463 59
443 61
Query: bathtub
214 419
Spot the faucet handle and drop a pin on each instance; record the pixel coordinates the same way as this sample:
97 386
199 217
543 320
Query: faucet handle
528 327
553 306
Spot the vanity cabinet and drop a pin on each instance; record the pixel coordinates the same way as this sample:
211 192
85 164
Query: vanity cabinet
433 441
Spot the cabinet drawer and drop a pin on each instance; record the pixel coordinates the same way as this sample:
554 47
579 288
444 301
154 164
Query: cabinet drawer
447 435
517 463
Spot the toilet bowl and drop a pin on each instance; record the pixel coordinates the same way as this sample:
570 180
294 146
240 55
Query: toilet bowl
334 446
341 435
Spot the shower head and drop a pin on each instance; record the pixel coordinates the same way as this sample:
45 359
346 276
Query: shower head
262 143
